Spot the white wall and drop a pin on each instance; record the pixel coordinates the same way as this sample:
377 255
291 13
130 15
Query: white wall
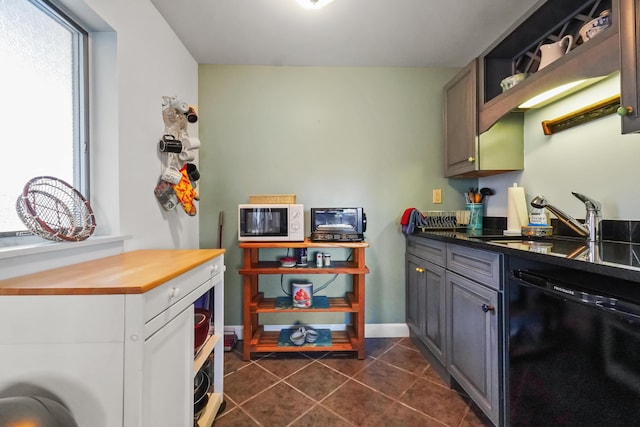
150 62
137 59
594 159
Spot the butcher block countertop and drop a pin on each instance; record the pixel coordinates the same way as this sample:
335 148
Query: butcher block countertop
127 273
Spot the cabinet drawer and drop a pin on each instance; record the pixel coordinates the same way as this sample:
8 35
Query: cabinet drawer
430 250
478 265
175 290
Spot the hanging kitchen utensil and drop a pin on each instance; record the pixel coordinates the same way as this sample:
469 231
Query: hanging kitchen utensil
220 223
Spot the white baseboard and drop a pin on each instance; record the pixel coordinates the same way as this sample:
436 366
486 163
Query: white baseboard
386 330
373 330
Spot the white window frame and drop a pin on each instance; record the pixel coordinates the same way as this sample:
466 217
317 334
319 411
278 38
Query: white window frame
80 70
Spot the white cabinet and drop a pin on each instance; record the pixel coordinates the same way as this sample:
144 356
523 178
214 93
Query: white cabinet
167 370
112 339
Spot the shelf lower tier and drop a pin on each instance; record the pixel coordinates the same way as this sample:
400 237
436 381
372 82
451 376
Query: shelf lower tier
210 411
267 342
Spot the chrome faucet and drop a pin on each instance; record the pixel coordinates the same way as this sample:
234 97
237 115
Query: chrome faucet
591 227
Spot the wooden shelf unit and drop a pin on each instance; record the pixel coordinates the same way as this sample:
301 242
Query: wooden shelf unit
256 339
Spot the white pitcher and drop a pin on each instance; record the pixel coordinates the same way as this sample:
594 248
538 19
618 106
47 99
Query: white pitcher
552 51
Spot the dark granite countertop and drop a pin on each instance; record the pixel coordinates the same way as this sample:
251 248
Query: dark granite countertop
608 258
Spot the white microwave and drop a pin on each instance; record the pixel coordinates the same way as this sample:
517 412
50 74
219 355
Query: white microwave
270 222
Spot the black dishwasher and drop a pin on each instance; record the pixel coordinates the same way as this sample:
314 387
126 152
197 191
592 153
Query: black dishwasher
573 348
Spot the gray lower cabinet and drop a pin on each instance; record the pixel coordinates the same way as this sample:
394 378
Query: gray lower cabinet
454 308
473 304
472 337
425 261
425 304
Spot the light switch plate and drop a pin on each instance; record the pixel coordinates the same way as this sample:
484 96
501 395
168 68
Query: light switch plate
437 195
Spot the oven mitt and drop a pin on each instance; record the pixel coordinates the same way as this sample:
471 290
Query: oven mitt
185 192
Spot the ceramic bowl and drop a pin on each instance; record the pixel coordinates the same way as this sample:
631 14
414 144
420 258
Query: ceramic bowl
288 262
511 81
595 26
200 327
311 336
298 337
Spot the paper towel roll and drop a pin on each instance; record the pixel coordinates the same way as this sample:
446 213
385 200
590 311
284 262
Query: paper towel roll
517 214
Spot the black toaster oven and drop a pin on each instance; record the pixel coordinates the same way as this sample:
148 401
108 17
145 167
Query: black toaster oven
338 224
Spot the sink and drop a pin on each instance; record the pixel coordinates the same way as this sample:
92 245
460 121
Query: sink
560 247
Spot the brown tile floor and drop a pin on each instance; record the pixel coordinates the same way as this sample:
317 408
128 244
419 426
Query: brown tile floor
393 386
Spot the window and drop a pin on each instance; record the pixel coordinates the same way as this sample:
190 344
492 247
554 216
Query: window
44 106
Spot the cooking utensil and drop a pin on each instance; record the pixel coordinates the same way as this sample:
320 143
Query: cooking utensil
485 192
473 196
200 396
220 224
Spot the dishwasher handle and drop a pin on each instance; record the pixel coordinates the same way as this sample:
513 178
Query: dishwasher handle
563 290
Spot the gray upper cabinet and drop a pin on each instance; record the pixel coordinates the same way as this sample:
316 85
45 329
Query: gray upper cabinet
461 121
483 126
467 154
630 65
518 51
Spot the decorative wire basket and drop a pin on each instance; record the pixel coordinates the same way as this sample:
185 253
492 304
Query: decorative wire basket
444 220
54 210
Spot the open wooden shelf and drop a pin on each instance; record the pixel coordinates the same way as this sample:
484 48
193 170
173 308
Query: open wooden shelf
273 267
254 303
267 342
203 352
519 52
259 304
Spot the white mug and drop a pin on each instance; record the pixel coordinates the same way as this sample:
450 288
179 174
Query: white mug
191 142
171 175
187 155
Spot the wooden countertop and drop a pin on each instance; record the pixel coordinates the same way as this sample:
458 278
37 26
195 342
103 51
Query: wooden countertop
127 273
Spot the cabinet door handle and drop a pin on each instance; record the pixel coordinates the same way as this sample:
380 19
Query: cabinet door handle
420 270
624 111
486 308
471 159
174 293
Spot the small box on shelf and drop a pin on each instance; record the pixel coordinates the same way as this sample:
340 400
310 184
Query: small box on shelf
230 339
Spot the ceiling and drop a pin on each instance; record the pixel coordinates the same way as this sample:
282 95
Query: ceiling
395 33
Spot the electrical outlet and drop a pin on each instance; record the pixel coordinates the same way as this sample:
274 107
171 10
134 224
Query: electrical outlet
437 195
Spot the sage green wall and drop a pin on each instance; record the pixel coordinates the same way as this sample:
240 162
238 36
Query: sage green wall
367 137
